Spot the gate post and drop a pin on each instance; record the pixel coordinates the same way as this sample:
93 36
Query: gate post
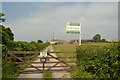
43 64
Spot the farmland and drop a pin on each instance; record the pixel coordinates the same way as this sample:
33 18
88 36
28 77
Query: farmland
65 48
96 60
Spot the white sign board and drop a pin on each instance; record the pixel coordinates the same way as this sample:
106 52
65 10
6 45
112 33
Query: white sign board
73 28
43 54
43 60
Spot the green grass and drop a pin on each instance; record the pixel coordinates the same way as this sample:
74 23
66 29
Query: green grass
0 61
25 65
47 75
78 72
97 44
10 71
66 48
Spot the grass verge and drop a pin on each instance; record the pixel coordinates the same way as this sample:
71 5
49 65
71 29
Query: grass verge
66 48
47 75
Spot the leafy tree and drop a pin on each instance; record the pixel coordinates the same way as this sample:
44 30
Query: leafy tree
0 34
97 38
2 19
33 42
5 37
39 41
103 40
7 34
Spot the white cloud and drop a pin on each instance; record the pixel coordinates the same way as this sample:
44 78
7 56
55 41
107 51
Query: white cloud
95 18
102 10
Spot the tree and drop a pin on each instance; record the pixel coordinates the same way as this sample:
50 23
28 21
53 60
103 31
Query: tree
33 42
97 38
103 40
2 19
7 34
39 41
5 37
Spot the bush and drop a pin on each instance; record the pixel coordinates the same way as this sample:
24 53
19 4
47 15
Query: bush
101 61
25 46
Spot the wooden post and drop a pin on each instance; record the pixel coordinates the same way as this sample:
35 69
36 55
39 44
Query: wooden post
43 66
80 36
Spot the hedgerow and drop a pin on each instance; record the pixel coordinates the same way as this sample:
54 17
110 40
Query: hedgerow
101 61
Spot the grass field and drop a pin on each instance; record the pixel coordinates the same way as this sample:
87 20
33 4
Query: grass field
47 75
65 48
72 48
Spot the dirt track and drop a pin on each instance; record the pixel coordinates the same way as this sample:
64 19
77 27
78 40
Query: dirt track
57 74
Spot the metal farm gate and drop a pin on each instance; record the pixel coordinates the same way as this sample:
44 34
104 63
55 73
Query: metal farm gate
42 63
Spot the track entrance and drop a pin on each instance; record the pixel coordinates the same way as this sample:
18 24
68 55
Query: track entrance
25 63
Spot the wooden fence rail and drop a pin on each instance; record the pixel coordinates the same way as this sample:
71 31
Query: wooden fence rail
43 71
44 62
43 67
45 57
32 52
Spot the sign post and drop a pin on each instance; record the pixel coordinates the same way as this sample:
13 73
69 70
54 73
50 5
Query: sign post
43 59
74 28
80 37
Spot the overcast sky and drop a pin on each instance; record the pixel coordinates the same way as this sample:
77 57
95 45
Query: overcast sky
31 21
60 0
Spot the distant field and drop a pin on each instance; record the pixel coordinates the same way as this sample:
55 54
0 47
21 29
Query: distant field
72 47
65 48
97 44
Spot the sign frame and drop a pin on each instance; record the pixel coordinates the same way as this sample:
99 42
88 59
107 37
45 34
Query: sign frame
75 29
